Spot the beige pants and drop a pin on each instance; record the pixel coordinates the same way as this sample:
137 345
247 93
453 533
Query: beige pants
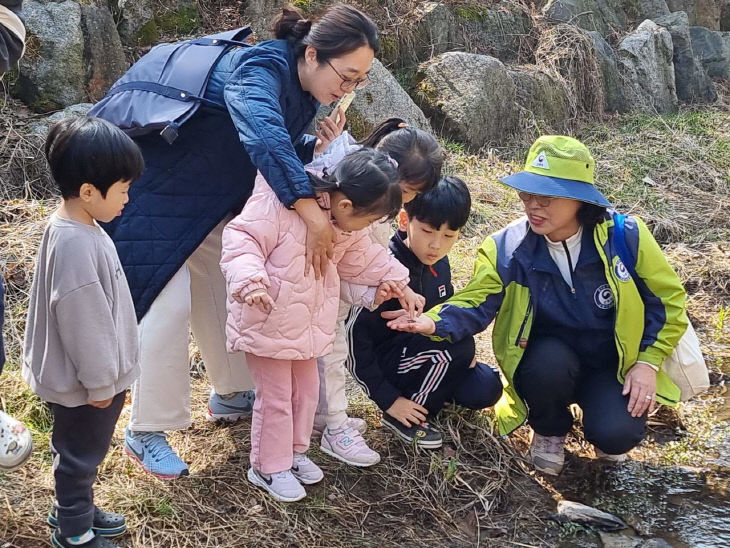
194 297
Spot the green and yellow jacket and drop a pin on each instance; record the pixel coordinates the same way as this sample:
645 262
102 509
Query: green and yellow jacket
649 317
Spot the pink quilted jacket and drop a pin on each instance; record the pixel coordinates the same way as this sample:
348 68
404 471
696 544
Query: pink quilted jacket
265 247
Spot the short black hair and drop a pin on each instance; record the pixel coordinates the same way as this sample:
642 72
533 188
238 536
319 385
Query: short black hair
590 215
90 150
448 202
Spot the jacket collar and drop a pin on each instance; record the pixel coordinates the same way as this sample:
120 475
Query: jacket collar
533 252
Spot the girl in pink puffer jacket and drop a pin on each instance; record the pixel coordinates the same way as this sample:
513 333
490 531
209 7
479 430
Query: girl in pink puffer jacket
284 320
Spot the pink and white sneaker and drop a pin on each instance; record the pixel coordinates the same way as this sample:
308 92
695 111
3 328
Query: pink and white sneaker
353 422
347 444
16 443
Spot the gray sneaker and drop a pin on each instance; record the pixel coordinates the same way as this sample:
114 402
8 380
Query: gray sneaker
230 407
424 435
547 453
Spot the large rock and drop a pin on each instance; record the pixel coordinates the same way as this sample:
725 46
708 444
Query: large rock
136 24
383 98
604 16
259 14
646 67
651 9
430 30
713 50
701 13
540 98
693 83
613 92
103 54
52 74
470 97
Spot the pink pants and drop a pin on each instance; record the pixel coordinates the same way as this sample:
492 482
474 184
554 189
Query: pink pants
283 412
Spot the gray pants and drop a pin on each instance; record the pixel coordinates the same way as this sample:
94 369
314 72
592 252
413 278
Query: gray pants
80 441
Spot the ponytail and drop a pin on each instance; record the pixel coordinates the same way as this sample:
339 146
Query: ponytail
341 30
418 153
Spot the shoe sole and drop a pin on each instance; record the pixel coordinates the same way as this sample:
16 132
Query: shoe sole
334 455
23 459
55 543
163 477
306 481
229 418
545 469
423 444
258 482
108 532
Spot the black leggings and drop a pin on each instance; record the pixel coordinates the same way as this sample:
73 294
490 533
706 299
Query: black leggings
552 375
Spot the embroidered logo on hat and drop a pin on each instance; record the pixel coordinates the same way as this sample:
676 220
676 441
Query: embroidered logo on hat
541 161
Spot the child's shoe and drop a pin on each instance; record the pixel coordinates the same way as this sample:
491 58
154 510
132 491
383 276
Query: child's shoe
352 422
106 524
95 541
424 434
152 451
282 486
348 445
16 443
305 470
547 453
622 457
230 407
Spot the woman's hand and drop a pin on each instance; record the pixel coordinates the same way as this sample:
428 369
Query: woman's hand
261 299
640 384
329 130
320 235
399 321
412 302
407 412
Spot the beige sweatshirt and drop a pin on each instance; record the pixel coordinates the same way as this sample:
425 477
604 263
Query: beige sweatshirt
81 337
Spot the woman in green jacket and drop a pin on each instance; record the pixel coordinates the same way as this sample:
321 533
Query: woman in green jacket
574 324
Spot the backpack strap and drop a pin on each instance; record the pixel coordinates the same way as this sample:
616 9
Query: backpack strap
619 242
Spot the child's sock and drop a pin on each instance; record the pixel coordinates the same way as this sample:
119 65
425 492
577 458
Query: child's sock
81 539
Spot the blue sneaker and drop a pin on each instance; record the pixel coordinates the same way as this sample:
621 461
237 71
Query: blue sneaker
152 451
230 407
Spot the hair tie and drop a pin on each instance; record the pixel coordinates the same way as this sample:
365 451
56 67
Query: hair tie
403 125
392 161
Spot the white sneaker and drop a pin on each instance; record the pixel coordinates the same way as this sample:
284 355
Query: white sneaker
16 443
622 457
547 453
282 486
305 470
348 445
352 422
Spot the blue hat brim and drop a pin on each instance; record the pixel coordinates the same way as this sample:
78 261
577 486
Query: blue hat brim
555 187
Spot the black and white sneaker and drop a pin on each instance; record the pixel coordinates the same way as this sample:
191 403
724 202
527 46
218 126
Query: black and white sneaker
423 435
106 524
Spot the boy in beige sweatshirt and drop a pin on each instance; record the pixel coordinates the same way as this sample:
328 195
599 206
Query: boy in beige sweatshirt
81 351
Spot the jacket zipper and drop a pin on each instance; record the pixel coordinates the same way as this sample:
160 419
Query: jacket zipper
524 322
570 269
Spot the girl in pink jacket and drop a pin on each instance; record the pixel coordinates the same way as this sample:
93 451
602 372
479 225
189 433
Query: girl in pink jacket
284 319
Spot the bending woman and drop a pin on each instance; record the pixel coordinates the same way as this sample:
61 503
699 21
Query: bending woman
169 238
573 324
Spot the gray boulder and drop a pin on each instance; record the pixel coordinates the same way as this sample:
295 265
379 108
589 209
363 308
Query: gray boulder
431 31
604 16
103 54
41 126
713 50
693 83
469 97
136 21
540 98
613 92
651 9
501 31
646 68
52 74
259 14
701 13
383 98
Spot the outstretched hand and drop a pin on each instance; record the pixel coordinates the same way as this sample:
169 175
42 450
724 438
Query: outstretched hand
329 130
401 321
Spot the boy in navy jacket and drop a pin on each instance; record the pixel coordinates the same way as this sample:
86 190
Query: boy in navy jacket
409 376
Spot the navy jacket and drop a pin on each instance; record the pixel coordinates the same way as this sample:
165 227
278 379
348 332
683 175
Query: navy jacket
188 187
370 338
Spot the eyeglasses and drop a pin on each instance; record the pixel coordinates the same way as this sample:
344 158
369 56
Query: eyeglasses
542 201
348 84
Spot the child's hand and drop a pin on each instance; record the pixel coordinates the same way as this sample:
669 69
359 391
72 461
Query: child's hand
388 290
100 404
260 298
400 321
412 302
329 130
408 412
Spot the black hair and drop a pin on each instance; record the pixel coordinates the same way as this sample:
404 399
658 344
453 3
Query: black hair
90 150
589 215
448 202
417 152
340 30
369 179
